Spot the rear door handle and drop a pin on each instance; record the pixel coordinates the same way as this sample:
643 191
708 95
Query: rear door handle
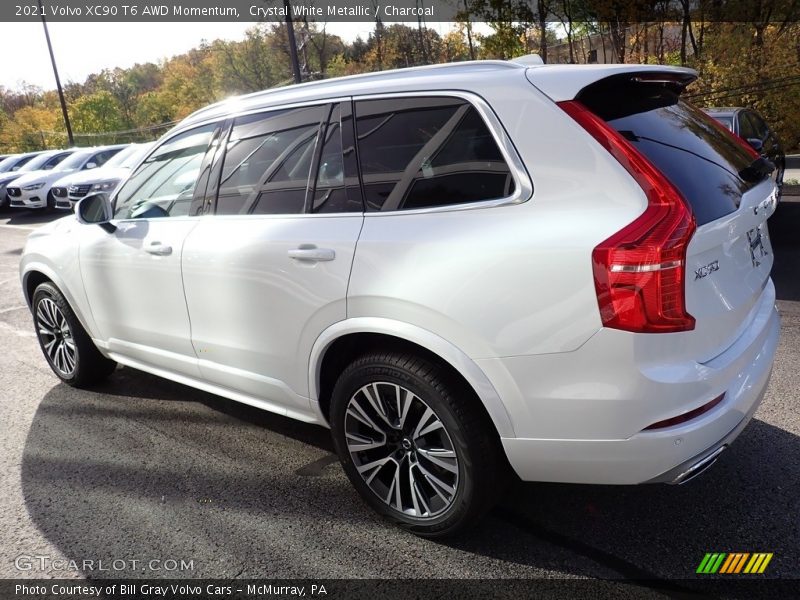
158 249
312 254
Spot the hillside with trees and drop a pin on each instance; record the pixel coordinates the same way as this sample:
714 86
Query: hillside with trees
752 63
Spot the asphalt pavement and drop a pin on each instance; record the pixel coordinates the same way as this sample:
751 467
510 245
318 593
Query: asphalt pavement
180 483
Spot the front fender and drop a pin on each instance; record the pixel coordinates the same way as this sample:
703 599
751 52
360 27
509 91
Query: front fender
457 359
67 279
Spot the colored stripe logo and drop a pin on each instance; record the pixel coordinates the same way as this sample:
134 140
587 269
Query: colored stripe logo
734 562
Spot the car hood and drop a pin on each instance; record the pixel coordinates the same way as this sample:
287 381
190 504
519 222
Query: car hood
35 176
92 176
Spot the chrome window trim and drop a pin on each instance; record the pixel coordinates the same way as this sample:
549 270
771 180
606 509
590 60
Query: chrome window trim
523 187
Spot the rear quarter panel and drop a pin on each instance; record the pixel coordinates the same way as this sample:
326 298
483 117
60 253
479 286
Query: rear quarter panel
504 280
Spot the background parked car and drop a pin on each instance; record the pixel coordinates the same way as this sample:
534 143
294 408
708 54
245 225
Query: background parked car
14 168
73 187
33 190
751 126
15 162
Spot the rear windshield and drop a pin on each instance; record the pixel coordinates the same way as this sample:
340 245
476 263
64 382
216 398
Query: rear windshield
700 159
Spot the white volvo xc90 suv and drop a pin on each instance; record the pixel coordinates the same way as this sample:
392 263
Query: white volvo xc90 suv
459 268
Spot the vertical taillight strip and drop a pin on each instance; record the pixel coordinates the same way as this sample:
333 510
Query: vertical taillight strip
640 271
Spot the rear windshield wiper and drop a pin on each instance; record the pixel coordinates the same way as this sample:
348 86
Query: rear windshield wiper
759 169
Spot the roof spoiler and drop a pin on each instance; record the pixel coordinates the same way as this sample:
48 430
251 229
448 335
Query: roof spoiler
565 82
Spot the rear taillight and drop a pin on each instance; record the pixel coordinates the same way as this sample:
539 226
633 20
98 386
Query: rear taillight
639 272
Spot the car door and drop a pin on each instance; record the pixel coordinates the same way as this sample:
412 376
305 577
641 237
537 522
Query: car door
268 272
132 275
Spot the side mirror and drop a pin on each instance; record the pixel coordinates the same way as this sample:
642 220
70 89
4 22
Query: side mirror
95 209
90 165
755 144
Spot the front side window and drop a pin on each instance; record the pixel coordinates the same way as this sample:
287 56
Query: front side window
426 152
164 184
55 160
268 161
746 128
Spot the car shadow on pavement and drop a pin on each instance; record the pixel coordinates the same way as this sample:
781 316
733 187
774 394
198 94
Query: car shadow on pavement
22 216
143 468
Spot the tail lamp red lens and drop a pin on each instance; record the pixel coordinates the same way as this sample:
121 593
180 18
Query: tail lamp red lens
639 272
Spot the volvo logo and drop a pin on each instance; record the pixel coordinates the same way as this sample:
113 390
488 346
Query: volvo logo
756 243
706 270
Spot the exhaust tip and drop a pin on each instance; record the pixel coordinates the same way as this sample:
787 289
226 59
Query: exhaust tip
699 467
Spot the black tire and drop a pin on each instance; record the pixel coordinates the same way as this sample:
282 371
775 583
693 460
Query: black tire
482 469
87 366
51 201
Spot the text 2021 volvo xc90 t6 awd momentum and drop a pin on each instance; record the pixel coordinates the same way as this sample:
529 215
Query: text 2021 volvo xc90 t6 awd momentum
459 269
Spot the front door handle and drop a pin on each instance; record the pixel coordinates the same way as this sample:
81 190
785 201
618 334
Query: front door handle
158 249
312 254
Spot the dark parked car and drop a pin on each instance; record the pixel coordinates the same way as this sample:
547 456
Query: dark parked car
751 126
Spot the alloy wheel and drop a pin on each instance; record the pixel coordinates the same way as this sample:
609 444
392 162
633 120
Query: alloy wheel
56 336
401 449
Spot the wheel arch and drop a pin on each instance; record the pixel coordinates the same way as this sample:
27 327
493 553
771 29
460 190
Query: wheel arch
34 274
345 340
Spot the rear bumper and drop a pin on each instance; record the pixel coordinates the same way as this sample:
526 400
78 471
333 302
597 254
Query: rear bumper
575 454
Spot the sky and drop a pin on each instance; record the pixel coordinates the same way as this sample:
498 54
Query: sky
84 48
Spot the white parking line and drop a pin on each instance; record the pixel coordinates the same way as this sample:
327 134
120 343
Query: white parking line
12 309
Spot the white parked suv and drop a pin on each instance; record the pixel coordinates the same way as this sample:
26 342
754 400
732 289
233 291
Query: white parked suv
459 268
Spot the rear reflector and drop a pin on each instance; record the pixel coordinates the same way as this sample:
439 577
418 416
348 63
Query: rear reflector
692 414
639 272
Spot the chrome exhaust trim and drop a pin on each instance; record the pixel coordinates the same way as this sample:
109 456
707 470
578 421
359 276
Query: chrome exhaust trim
699 467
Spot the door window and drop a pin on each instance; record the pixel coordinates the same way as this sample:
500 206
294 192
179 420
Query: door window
425 152
760 126
163 185
746 128
336 186
268 161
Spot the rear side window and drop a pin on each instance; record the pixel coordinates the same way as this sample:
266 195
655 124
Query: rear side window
426 152
268 161
700 159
